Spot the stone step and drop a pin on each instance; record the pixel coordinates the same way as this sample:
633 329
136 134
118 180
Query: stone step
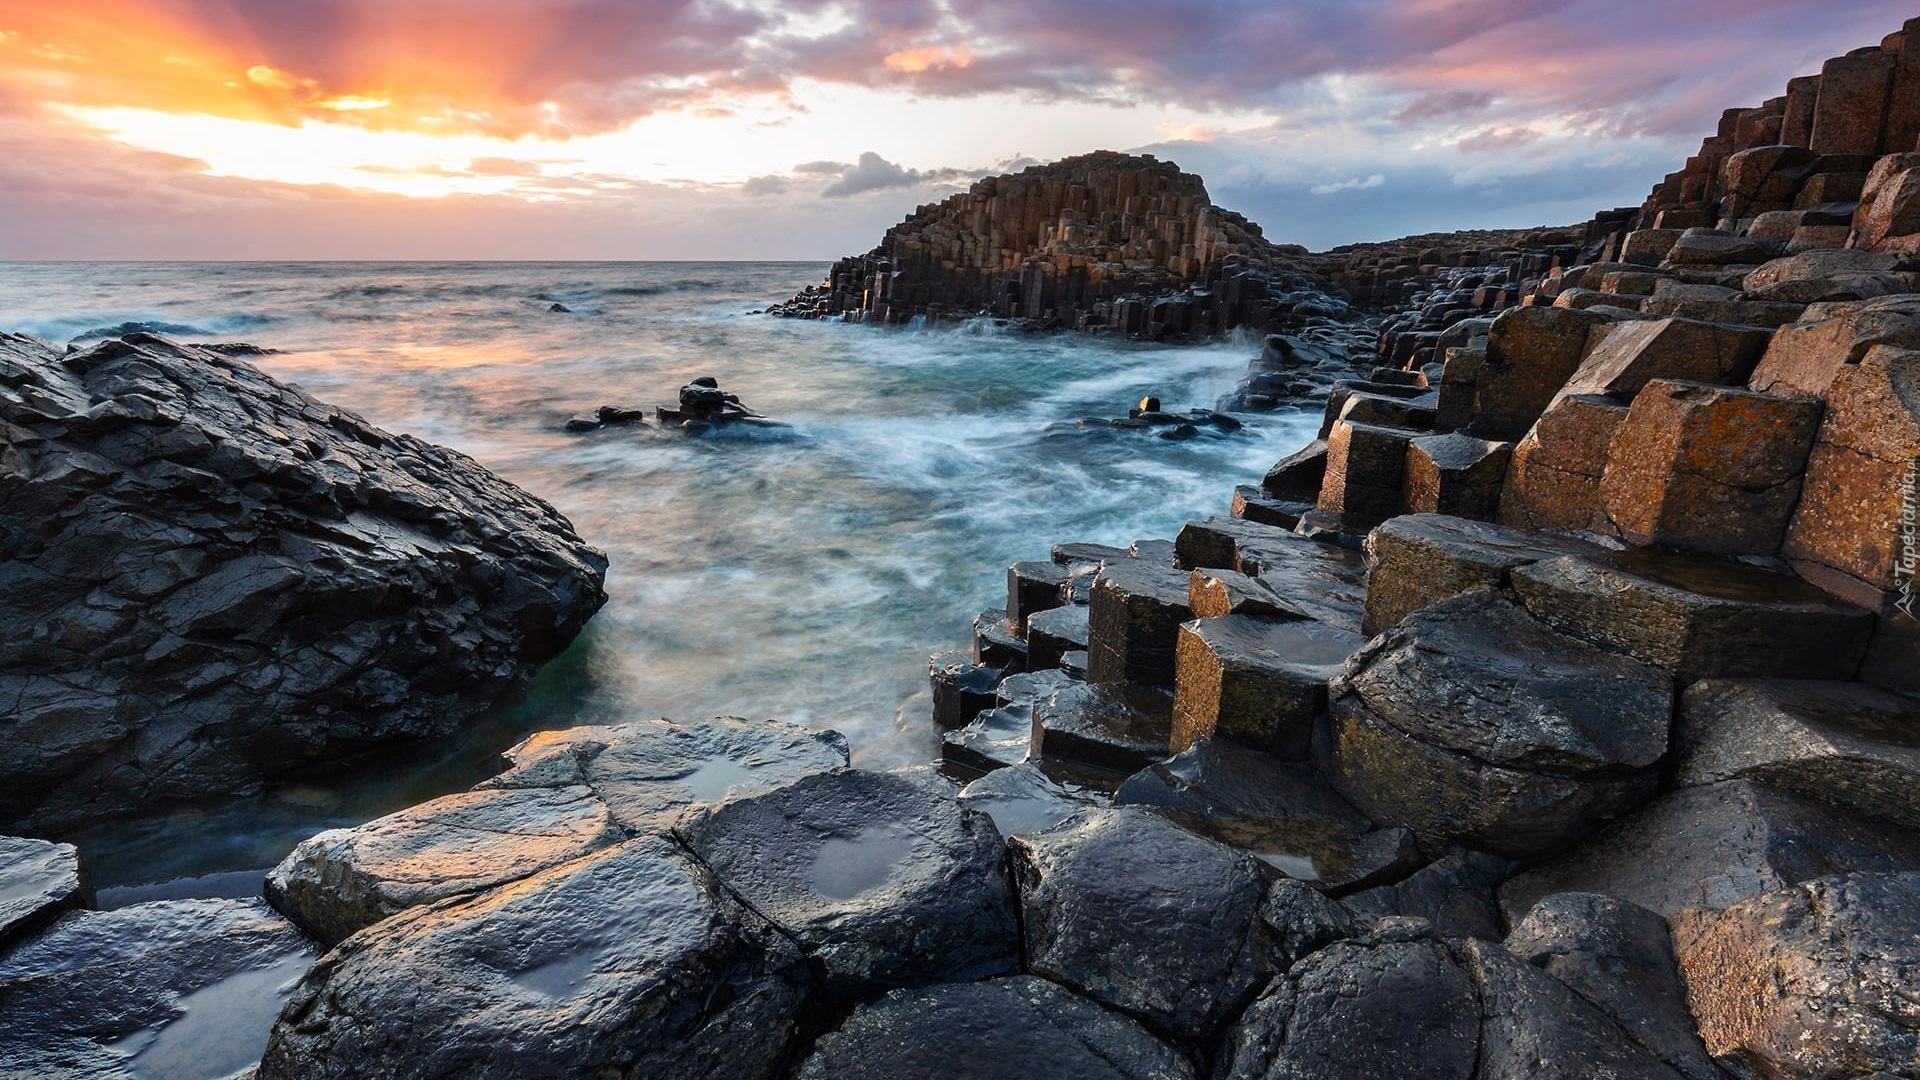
1254 680
961 688
1696 616
1418 560
1054 633
996 738
1125 727
1844 743
1033 587
1320 580
1133 622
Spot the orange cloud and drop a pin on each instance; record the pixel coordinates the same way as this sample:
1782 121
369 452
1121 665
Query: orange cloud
929 58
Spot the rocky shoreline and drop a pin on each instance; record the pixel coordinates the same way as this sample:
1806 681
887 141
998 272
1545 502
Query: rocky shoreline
1553 714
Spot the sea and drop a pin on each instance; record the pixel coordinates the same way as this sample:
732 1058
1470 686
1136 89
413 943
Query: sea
802 574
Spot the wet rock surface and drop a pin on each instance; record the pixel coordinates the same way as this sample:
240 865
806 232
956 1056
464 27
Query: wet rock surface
632 960
1126 907
38 881
1454 894
1019 1027
215 577
883 878
178 989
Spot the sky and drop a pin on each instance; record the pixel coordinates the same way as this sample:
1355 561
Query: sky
802 129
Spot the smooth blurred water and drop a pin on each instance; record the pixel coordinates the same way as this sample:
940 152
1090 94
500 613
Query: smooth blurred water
805 579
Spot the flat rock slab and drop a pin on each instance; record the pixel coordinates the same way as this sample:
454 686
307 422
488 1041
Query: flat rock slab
1280 812
1016 1028
1698 617
1417 560
39 879
1389 1005
1318 580
1473 722
213 578
1255 680
996 738
1054 633
345 880
1619 957
172 990
883 878
1024 799
1714 846
1112 727
1843 743
1814 980
1135 912
649 772
631 961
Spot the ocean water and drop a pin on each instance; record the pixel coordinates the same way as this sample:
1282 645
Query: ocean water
804 578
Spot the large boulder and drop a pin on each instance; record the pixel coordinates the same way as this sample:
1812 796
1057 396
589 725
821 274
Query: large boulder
1016 1028
632 961
1531 352
1553 481
182 989
1472 721
1396 1003
1815 980
1135 912
212 577
1534 1027
883 878
1619 957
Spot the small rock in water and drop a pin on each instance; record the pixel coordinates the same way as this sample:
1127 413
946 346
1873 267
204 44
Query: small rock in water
560 309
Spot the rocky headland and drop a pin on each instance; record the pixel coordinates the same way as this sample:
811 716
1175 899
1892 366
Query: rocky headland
1553 715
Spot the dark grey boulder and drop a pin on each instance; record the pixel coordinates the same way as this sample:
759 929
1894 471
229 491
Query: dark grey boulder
631 962
1713 846
1471 721
1619 957
213 577
1455 894
344 880
1280 812
1393 1004
1016 1028
1304 920
1533 1027
39 879
648 772
1815 980
1844 743
1135 912
883 878
182 989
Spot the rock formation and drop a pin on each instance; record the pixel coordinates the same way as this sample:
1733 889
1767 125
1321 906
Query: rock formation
211 578
1100 241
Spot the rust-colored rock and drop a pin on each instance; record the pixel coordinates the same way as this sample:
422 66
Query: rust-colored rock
1455 474
1625 357
1554 479
1707 468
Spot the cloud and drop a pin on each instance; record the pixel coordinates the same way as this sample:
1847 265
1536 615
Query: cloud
1354 184
822 168
1496 138
1443 104
757 186
874 173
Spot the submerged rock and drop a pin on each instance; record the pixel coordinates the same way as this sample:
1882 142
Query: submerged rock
1131 910
883 878
1016 1028
172 990
631 961
214 578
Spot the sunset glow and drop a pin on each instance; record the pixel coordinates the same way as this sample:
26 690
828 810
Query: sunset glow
838 114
